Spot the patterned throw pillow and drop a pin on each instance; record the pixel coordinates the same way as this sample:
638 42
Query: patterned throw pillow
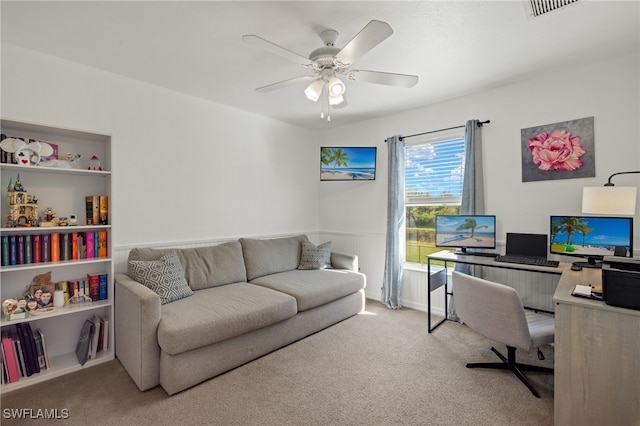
164 276
315 257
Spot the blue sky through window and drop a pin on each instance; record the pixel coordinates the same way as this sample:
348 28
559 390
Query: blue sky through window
435 168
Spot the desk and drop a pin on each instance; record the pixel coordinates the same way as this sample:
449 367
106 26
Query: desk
439 279
596 357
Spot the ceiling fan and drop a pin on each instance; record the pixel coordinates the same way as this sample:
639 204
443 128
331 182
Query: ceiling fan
327 64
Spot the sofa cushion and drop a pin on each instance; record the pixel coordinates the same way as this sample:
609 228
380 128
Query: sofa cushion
314 288
315 257
269 256
204 267
218 313
164 276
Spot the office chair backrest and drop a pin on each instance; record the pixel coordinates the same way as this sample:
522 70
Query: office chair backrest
491 309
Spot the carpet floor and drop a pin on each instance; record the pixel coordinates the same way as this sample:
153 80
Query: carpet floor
380 367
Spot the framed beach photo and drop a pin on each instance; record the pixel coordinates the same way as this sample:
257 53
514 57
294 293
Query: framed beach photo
347 163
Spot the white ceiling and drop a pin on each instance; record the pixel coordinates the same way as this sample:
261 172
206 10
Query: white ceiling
455 47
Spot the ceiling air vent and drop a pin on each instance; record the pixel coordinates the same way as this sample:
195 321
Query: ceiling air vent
537 8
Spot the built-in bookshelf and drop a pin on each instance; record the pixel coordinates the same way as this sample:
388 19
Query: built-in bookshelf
63 189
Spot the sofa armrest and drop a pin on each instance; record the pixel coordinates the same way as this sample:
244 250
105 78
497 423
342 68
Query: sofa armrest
345 261
137 315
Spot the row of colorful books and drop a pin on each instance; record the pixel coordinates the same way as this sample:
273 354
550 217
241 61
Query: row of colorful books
24 352
95 286
97 209
53 247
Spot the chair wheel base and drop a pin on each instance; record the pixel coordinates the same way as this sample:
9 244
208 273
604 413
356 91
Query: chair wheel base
515 367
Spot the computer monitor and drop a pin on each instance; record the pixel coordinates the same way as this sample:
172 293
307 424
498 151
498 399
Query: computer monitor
591 237
466 232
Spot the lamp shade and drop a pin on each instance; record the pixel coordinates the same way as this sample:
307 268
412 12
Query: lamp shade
609 200
314 90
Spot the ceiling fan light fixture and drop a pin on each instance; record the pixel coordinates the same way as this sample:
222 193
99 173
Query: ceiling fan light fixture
335 100
336 86
314 90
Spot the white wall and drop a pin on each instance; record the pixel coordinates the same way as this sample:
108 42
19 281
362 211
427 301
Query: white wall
183 169
188 170
354 214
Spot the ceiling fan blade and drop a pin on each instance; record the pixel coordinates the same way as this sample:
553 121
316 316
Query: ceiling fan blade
285 83
369 37
274 48
390 79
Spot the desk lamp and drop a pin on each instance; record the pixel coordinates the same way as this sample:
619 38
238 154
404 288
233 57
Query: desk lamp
610 199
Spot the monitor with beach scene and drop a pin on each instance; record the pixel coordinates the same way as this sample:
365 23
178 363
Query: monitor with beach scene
464 232
591 237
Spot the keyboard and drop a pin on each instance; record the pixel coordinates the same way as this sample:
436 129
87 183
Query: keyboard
527 261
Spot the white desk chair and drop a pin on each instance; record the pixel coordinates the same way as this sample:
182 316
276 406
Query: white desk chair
495 311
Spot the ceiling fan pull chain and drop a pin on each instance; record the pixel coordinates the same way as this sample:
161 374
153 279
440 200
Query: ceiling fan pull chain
326 100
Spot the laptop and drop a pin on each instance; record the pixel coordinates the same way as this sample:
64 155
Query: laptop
526 245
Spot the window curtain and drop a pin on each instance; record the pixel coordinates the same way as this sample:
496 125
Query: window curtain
472 188
394 258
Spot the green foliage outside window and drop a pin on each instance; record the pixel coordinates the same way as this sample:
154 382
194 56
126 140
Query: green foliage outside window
420 230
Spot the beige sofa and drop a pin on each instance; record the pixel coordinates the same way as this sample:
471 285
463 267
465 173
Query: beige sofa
244 299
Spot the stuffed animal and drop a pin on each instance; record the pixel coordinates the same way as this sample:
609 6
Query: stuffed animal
9 306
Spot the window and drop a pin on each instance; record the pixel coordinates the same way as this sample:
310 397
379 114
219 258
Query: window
433 185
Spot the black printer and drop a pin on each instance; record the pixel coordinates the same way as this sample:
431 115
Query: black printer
621 281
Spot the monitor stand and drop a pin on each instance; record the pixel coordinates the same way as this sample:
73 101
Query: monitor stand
590 263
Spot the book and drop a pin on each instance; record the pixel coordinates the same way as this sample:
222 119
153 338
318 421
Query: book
89 209
74 246
37 248
95 244
89 243
102 243
13 250
83 347
105 338
95 213
103 287
17 349
104 210
55 247
95 339
28 348
101 336
28 249
73 288
5 250
44 348
81 246
65 246
20 241
13 375
46 248
94 286
39 350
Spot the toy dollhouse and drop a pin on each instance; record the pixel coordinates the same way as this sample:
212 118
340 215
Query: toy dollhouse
23 207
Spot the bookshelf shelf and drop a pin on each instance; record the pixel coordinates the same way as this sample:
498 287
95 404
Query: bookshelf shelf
66 310
64 191
61 365
54 170
58 264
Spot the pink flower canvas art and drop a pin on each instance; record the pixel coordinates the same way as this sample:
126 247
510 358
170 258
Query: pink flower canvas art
558 151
